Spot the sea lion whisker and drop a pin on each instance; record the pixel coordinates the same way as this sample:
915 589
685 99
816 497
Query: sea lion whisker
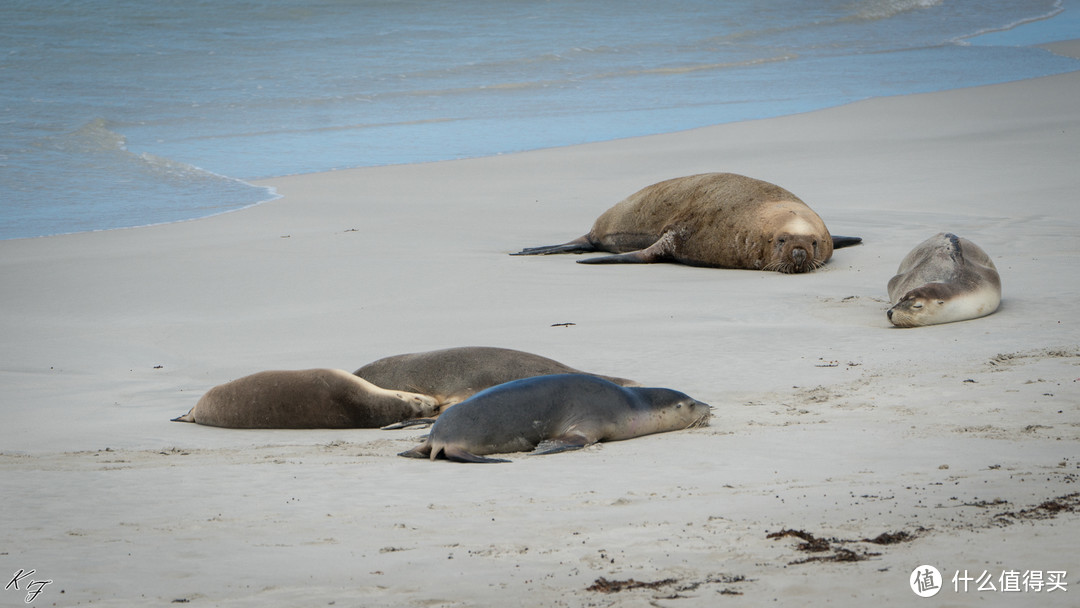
700 422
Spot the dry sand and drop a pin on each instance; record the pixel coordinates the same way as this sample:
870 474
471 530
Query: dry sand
958 440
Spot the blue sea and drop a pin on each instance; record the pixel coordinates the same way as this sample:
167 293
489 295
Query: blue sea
117 113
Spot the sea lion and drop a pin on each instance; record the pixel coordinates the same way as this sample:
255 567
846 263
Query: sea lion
451 375
714 219
306 399
944 279
551 414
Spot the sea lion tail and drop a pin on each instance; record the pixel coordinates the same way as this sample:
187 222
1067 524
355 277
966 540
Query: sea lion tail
188 417
845 241
578 245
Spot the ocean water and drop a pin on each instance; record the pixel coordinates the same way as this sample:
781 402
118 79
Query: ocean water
117 113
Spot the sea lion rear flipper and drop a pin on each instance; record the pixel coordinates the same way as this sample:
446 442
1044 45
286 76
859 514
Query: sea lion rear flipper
845 241
633 257
579 245
408 423
188 417
660 251
460 455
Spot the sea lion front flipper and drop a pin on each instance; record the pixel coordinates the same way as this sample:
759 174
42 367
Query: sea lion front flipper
404 424
956 251
845 241
421 451
560 444
460 455
581 244
662 250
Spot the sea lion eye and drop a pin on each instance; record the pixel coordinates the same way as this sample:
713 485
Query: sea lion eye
781 241
917 305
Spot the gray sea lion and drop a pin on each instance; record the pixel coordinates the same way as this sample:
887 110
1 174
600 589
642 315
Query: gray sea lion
944 279
713 219
451 375
306 399
551 414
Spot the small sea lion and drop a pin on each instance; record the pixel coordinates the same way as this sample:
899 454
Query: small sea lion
714 219
944 279
551 414
451 375
306 399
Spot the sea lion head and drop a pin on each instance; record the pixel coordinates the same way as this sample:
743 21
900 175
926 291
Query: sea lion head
797 238
925 305
672 410
794 252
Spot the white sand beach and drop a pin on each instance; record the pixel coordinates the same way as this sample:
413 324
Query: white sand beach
959 441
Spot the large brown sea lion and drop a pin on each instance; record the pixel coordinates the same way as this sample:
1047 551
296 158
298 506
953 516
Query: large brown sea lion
713 219
306 399
551 414
944 279
452 375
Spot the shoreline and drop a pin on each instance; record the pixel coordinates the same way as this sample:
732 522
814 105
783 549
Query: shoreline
826 420
1064 48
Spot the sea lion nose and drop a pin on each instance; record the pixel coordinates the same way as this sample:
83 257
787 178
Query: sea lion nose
889 313
798 255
